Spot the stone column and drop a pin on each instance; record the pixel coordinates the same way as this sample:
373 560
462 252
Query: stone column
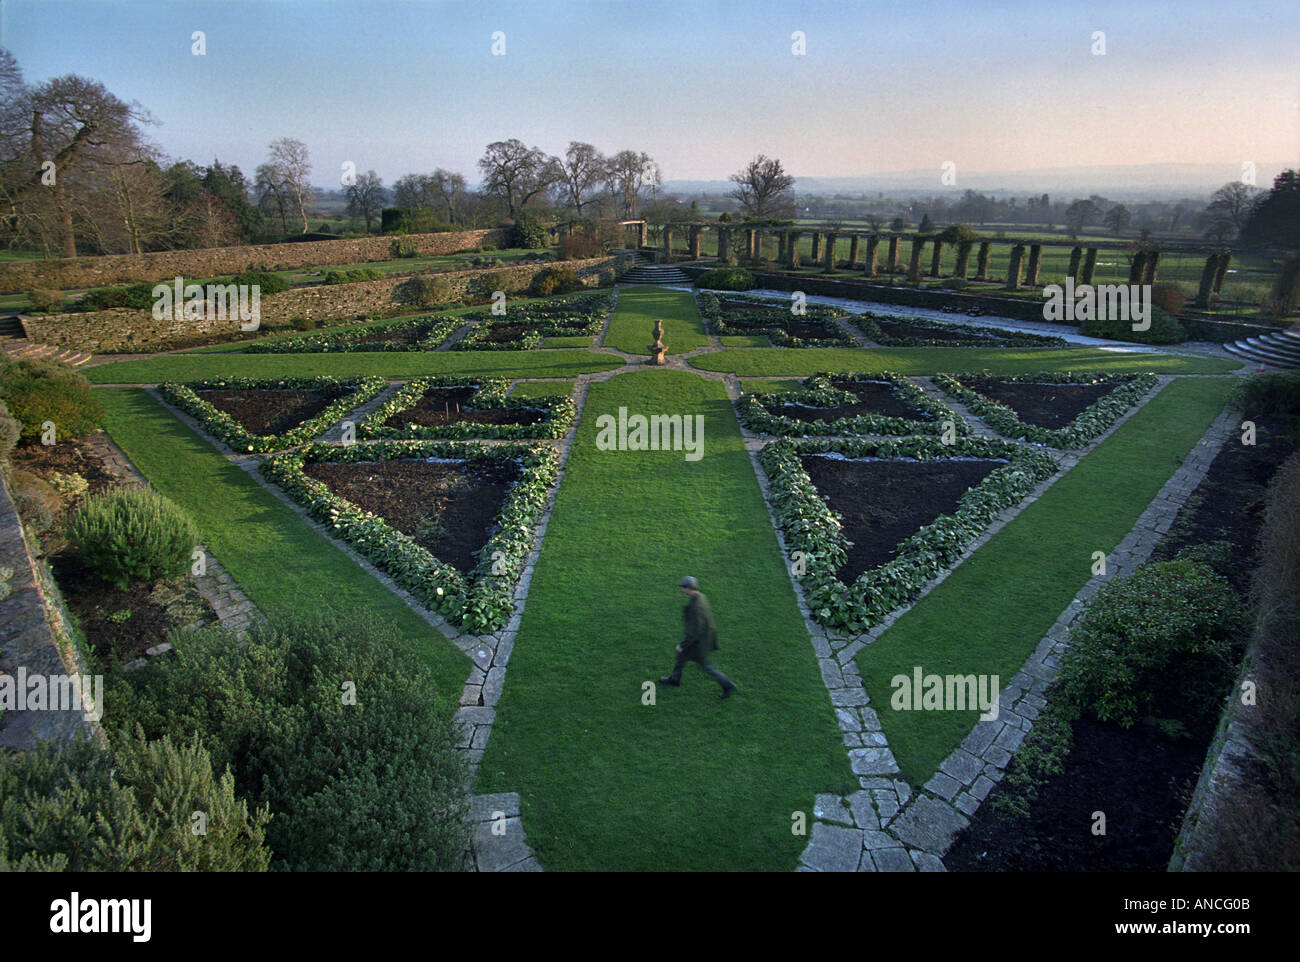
643 234
749 244
1137 267
816 247
781 240
936 258
892 264
1150 268
792 250
1286 288
1076 255
1013 271
982 261
872 268
1035 260
695 242
854 240
1221 270
963 259
1207 280
668 244
724 245
830 253
914 268
1089 266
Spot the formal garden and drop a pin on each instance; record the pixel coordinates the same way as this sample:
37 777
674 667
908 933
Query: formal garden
382 594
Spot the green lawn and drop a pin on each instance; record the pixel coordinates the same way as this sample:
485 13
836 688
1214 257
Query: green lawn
632 327
283 565
769 385
690 783
576 340
800 362
989 615
391 364
542 389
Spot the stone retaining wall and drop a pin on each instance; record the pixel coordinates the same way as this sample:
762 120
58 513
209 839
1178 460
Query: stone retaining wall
126 330
79 272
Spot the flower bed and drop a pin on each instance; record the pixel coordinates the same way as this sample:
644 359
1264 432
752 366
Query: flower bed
762 322
978 336
819 391
479 602
492 392
811 527
1091 423
561 317
224 427
428 332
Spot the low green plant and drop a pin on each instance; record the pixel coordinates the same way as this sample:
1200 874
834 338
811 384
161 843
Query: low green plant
38 391
353 276
1274 392
1164 328
726 279
48 301
529 232
265 282
301 323
555 280
425 291
131 535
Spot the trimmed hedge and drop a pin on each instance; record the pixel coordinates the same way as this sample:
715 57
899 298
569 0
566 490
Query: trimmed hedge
1164 329
479 602
811 527
761 322
431 331
755 410
981 336
492 392
726 279
221 425
1090 423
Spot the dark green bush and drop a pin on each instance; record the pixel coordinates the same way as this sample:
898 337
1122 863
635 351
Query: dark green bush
555 280
131 535
51 301
138 296
10 430
266 283
301 323
40 390
1164 329
529 232
1165 628
354 275
85 810
372 785
726 279
1274 392
423 291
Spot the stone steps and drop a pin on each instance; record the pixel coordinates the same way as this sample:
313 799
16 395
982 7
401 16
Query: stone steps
1280 349
19 348
654 274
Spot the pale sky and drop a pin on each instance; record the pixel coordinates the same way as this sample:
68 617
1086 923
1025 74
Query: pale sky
701 86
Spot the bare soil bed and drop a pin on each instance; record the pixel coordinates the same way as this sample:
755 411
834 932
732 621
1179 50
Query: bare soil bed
884 502
874 397
1044 405
902 329
449 405
272 411
448 507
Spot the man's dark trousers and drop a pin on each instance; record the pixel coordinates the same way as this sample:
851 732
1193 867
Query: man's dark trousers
693 654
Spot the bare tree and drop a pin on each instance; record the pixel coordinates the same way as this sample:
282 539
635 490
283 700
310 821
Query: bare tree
289 168
1229 209
449 188
583 169
366 197
516 173
764 189
1117 218
626 175
271 195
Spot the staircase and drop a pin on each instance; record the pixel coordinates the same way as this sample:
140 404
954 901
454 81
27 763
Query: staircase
15 344
1280 349
647 272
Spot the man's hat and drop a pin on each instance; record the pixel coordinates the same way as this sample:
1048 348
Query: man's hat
689 582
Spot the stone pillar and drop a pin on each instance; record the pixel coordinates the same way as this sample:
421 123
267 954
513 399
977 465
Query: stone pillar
914 268
695 242
1076 255
668 244
643 234
1286 288
872 268
1089 266
1013 271
1221 270
792 250
724 245
1137 267
816 247
936 258
1035 260
1207 280
982 261
830 253
854 240
963 259
1151 267
892 265
781 240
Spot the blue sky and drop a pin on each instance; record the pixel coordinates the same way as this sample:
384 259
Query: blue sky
701 86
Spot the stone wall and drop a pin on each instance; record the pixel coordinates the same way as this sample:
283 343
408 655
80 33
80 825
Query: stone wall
124 330
80 272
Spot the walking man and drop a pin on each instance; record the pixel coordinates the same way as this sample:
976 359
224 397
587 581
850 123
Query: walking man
700 638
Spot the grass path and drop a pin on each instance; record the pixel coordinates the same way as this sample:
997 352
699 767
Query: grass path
989 615
690 783
282 564
631 327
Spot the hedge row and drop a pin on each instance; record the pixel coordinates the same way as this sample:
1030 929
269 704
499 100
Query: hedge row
431 330
492 393
980 336
479 602
761 322
756 410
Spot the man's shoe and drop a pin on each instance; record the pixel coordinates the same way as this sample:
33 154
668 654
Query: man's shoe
726 692
665 680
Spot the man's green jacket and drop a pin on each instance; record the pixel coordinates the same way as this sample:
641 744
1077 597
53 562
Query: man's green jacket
701 636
